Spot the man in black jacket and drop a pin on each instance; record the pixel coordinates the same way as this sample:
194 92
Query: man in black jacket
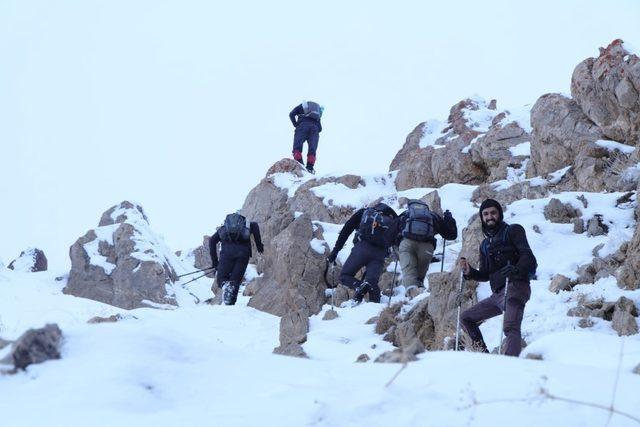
306 119
418 227
235 235
376 232
504 255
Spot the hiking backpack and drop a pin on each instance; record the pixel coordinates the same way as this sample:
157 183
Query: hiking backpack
235 229
374 228
505 241
419 224
312 110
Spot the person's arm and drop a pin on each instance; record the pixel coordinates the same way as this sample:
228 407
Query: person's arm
446 226
255 231
347 229
527 261
295 112
481 275
213 244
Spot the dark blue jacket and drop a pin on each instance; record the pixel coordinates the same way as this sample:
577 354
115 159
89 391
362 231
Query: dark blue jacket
299 112
215 239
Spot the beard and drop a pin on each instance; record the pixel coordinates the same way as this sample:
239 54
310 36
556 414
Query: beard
491 224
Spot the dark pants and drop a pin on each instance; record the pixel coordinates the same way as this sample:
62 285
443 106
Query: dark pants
310 132
234 258
517 296
372 258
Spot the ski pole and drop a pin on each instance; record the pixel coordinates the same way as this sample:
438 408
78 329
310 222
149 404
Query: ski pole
194 272
444 246
199 277
504 312
459 305
393 282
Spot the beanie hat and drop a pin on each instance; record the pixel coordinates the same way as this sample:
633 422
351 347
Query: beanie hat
490 203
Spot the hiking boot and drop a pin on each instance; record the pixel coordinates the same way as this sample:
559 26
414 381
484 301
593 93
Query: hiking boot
229 293
362 289
310 169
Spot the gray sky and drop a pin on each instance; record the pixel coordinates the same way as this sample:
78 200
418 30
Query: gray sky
182 105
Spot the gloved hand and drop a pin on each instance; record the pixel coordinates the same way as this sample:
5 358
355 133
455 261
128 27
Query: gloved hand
509 270
260 248
333 256
447 215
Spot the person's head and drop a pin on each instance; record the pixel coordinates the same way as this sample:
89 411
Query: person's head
491 214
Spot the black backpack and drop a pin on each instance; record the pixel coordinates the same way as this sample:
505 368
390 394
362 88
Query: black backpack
508 250
419 224
375 228
235 229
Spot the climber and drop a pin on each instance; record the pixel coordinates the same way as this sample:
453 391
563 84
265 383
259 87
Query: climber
306 120
235 235
377 228
418 226
507 262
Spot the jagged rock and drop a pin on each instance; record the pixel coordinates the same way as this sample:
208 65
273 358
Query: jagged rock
534 356
434 202
471 238
342 295
402 355
416 324
517 191
596 226
606 88
578 225
434 166
561 213
560 283
585 322
294 272
413 292
624 314
36 346
305 199
202 256
372 321
330 315
363 358
30 260
293 332
122 262
111 319
387 318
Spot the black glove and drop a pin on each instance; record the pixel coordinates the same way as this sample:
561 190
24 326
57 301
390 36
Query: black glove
447 215
260 248
333 256
509 270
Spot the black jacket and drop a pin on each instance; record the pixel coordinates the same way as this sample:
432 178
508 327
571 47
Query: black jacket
299 111
446 227
353 223
514 249
215 239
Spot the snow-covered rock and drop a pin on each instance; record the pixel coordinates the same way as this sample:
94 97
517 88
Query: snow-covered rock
30 260
123 262
36 346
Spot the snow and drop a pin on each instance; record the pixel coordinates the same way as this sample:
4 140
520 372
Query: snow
24 262
522 149
613 145
290 182
375 186
433 129
480 117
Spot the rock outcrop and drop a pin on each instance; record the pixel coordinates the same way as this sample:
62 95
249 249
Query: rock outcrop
293 333
122 262
30 260
36 346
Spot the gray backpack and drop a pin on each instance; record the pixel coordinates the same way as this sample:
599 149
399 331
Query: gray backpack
419 224
312 110
236 228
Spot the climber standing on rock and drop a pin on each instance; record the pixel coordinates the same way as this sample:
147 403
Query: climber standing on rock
235 235
418 226
507 262
306 120
377 228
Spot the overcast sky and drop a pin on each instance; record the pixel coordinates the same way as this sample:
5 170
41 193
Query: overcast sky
183 105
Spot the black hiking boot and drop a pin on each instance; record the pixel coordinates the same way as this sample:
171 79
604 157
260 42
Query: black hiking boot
311 170
229 293
362 289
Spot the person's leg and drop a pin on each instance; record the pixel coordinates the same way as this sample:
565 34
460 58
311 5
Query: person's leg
225 266
313 137
372 276
235 279
424 253
298 141
512 326
352 265
408 263
471 318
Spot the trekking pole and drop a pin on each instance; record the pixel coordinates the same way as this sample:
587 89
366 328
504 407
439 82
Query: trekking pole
333 283
199 277
393 282
444 246
504 311
459 305
194 272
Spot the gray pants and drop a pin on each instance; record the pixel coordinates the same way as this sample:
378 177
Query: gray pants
415 258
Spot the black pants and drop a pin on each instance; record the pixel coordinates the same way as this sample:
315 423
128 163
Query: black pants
517 296
372 258
306 131
234 258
